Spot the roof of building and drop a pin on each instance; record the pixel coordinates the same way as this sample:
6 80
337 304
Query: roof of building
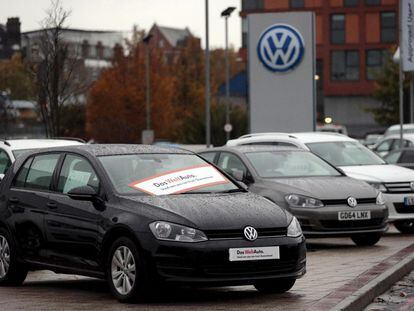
174 35
238 85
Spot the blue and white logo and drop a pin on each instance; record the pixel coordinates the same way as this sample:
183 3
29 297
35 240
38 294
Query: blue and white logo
281 48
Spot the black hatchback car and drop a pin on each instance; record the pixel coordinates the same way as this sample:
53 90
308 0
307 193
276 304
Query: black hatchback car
140 215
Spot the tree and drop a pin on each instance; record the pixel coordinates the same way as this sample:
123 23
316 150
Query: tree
16 78
387 93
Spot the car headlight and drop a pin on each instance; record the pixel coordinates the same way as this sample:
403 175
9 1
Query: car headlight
380 199
296 200
167 231
378 186
294 229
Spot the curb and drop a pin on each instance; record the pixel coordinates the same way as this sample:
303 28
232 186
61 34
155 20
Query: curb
361 291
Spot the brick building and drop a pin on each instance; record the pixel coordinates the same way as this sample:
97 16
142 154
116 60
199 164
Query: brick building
352 38
9 38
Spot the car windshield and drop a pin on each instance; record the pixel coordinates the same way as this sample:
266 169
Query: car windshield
345 153
276 164
163 174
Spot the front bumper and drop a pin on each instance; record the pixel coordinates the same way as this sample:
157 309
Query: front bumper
323 222
396 207
207 263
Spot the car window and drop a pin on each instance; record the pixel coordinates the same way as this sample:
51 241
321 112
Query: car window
230 163
209 156
407 144
77 172
407 157
393 157
22 175
41 171
4 162
385 145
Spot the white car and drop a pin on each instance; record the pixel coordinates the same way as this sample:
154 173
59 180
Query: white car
357 161
11 149
395 129
392 142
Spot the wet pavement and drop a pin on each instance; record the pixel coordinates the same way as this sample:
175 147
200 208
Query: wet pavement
332 263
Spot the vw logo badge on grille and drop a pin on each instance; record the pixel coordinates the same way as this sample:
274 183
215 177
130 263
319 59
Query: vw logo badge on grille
352 202
281 48
412 185
250 233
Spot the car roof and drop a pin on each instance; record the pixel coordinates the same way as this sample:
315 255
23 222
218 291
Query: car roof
117 149
397 136
405 126
304 137
253 148
21 144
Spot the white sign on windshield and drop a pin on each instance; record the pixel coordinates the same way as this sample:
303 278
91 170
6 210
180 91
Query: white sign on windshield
179 181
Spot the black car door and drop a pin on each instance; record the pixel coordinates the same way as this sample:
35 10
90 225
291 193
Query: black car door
71 225
28 198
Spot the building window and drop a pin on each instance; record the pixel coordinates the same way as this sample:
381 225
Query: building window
375 62
373 2
85 49
351 3
296 4
338 29
345 66
388 27
252 5
244 32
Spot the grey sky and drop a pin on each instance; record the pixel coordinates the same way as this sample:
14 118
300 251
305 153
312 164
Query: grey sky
123 14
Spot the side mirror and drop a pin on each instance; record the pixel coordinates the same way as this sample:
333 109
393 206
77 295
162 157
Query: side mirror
84 193
1 177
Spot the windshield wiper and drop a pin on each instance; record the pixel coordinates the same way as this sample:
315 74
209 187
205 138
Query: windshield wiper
233 191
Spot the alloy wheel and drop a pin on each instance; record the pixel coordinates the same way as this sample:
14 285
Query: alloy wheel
4 256
123 270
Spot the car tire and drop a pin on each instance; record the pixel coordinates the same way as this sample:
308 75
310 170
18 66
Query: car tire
368 239
125 271
12 273
405 226
277 286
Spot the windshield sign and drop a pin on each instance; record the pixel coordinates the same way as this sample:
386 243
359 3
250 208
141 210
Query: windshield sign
163 174
345 153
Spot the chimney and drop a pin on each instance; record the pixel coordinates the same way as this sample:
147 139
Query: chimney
13 31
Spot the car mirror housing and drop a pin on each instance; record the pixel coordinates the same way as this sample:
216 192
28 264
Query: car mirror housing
84 193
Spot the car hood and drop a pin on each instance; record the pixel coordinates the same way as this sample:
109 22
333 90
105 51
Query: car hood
212 211
323 188
379 173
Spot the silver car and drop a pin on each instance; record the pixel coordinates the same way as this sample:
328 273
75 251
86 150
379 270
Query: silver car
326 202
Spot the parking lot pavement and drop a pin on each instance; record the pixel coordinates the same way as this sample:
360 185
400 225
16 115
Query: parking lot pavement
331 264
400 297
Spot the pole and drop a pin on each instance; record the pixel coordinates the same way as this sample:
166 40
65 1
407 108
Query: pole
207 65
401 79
227 77
412 99
148 87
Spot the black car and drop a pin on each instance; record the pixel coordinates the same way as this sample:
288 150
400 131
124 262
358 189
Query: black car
326 202
141 215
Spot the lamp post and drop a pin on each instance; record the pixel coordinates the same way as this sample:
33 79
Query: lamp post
207 78
226 14
147 40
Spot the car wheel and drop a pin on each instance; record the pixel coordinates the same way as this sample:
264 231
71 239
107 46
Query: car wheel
11 271
405 226
368 239
125 272
277 286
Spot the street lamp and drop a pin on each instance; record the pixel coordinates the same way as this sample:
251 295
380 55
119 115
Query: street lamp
226 14
207 79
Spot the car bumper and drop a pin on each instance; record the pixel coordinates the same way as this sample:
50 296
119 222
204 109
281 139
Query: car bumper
324 222
397 210
207 263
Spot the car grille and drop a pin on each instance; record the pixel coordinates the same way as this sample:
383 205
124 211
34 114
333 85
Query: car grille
403 209
345 201
353 224
401 187
238 233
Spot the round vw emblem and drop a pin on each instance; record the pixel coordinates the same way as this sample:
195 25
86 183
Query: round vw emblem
250 233
281 48
352 202
412 185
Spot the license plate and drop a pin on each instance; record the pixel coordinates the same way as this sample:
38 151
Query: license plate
354 215
408 201
254 253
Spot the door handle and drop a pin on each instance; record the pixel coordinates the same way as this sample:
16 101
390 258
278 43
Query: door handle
52 205
14 200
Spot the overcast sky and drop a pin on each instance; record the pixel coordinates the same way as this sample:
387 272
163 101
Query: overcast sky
123 14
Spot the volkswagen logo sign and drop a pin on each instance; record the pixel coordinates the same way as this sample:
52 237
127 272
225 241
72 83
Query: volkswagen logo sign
352 202
412 185
250 233
281 48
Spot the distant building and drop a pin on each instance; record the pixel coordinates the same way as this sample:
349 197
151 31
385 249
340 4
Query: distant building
352 37
169 40
10 38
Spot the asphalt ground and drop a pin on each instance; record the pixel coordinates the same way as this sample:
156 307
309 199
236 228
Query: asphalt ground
332 263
